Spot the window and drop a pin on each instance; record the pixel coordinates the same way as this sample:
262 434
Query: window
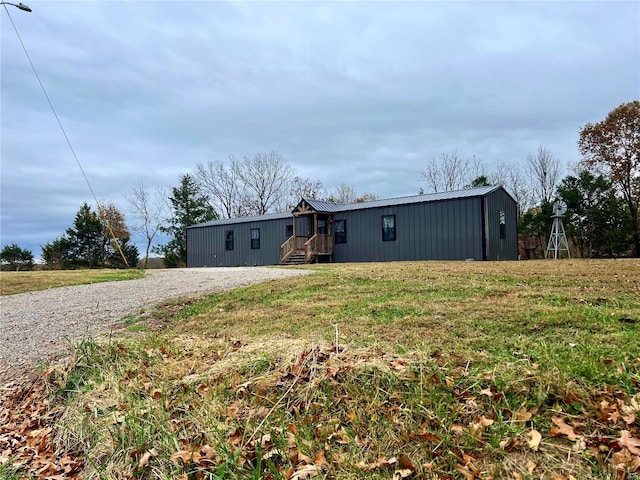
503 224
388 228
341 231
322 227
289 231
228 240
255 238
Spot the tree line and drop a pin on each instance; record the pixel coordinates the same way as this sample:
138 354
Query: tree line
602 195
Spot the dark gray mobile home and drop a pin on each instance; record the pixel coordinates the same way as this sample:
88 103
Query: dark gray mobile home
476 223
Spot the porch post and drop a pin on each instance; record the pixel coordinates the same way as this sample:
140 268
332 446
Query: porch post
295 242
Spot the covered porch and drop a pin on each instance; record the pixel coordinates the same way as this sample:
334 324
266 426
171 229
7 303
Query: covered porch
311 239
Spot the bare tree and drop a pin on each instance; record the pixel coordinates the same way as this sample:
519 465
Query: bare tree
366 197
450 172
304 188
544 174
514 180
149 210
267 180
223 183
343 194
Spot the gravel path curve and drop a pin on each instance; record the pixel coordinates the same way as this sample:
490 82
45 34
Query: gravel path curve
37 325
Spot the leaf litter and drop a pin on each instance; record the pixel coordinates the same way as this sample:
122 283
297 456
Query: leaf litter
264 415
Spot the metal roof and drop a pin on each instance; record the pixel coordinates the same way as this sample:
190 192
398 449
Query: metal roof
252 218
426 197
330 207
323 205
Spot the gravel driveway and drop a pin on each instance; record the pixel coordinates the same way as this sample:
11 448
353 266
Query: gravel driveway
36 325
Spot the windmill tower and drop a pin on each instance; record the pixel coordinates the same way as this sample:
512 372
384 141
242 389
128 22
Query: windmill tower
558 238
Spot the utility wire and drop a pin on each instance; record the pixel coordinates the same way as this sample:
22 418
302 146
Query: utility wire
102 214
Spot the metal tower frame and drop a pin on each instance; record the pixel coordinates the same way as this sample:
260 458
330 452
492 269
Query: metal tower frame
558 238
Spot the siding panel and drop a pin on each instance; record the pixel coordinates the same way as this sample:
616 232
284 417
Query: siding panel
448 228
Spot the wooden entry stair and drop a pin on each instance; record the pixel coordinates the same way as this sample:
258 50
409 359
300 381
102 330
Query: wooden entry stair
315 242
302 250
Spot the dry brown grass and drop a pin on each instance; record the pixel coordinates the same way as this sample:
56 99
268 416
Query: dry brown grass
21 282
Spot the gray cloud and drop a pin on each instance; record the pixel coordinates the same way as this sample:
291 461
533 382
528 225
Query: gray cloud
356 92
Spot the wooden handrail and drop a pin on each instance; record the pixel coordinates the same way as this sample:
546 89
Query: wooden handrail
292 245
309 249
319 244
287 248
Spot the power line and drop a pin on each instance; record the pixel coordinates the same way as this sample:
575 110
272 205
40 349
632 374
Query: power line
66 137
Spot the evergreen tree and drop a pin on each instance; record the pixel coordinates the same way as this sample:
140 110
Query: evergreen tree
189 206
596 218
85 239
55 254
536 224
114 259
14 258
89 243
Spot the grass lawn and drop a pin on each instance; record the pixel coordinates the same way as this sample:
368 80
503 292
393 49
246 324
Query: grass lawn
21 282
423 370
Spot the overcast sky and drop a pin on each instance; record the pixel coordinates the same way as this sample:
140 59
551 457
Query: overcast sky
363 93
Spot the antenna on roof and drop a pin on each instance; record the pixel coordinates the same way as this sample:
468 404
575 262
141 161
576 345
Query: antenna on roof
558 238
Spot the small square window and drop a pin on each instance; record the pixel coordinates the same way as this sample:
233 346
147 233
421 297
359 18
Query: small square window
255 238
388 228
340 231
228 240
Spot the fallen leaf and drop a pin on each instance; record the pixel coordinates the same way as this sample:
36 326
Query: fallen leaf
468 474
510 444
208 456
523 415
332 370
306 471
320 459
561 428
485 421
428 466
628 414
533 440
235 439
621 459
402 473
185 456
288 473
405 463
629 442
457 429
146 458
429 437
531 466
381 462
